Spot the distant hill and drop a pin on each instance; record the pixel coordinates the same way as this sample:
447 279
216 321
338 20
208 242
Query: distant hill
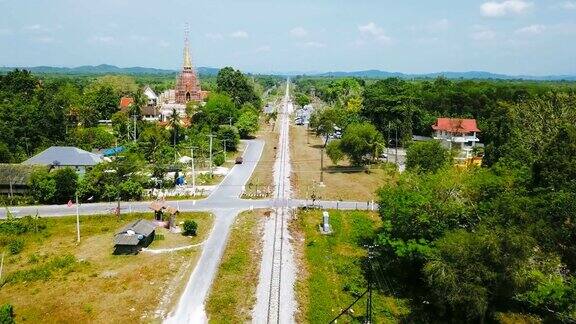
106 69
377 74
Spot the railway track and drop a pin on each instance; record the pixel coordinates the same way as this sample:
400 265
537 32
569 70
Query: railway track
282 194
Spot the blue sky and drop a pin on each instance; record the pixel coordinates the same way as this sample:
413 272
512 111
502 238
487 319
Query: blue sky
535 37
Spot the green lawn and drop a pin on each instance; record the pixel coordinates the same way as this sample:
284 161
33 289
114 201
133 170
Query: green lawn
232 296
331 268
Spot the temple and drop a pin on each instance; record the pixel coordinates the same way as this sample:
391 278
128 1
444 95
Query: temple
161 107
187 84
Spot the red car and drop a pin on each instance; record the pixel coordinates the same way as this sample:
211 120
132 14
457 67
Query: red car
239 160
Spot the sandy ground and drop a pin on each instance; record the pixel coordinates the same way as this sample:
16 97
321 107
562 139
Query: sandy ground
268 304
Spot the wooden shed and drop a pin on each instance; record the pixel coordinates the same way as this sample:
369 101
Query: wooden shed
134 236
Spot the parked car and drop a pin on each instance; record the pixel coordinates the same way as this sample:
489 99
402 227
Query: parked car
239 160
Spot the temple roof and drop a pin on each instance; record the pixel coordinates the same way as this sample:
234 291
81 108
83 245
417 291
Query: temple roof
187 59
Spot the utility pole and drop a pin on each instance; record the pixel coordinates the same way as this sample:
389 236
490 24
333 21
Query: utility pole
193 172
224 140
368 319
396 144
134 130
77 219
388 144
2 265
321 166
230 121
211 137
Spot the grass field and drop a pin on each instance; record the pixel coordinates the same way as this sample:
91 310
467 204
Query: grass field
54 280
341 182
331 274
232 296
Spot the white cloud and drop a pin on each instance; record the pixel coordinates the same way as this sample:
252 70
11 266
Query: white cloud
312 44
214 36
531 30
439 25
298 32
5 31
239 34
102 39
45 39
374 31
36 28
139 38
500 9
263 49
482 33
163 43
568 5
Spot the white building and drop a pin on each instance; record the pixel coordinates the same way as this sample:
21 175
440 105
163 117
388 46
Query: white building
151 95
456 132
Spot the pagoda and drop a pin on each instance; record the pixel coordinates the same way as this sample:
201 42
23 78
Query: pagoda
187 84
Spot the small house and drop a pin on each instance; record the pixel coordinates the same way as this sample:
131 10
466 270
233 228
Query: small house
134 236
65 156
457 133
15 178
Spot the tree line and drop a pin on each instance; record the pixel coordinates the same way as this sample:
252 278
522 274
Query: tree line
495 243
38 112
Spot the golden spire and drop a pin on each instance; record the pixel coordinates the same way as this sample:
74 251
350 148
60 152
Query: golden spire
187 60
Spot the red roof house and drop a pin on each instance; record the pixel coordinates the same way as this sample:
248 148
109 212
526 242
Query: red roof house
456 125
125 102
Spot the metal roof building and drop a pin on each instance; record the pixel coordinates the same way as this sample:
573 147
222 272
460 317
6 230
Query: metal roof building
65 156
132 237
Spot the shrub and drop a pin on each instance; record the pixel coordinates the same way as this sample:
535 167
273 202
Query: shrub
16 246
190 227
7 314
219 160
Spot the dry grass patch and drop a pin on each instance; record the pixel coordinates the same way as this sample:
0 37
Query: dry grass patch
233 293
55 280
261 182
166 240
342 182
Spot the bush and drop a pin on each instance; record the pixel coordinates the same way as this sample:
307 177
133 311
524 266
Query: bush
7 314
219 159
190 227
16 246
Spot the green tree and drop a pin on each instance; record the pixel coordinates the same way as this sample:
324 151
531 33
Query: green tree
66 181
334 151
5 154
131 189
236 85
100 103
247 123
470 273
217 111
556 168
426 156
302 100
360 142
323 122
42 186
230 135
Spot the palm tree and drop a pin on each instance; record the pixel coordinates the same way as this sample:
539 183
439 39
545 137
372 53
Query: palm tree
174 124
